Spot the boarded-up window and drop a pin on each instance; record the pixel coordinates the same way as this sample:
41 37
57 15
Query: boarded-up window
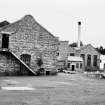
95 60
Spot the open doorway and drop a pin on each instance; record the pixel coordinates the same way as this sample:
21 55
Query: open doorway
47 72
5 41
73 67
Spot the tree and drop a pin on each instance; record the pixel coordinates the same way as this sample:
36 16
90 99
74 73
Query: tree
74 44
101 50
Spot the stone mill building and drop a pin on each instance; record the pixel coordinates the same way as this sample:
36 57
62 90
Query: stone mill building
27 48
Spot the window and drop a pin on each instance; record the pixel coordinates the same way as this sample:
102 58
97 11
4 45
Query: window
83 56
71 54
80 65
58 54
88 60
68 65
77 65
95 60
104 66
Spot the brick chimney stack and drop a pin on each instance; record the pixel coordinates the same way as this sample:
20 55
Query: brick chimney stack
79 34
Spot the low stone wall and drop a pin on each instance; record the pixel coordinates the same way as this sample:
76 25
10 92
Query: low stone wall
95 75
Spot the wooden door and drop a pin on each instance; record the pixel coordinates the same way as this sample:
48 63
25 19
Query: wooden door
26 59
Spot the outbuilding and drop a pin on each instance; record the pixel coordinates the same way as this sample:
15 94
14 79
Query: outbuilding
75 63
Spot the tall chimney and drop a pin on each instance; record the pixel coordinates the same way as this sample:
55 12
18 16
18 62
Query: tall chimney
79 34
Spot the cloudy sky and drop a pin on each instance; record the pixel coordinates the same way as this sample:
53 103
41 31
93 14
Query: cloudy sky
60 17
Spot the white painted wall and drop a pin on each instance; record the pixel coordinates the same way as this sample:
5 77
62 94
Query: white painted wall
102 58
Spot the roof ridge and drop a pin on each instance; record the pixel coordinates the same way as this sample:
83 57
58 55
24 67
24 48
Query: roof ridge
25 17
19 20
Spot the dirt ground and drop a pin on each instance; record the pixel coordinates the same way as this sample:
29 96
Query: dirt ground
63 89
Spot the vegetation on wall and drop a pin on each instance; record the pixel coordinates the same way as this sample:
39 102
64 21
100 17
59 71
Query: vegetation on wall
39 63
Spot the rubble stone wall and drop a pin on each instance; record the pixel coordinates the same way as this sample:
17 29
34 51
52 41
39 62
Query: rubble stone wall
8 64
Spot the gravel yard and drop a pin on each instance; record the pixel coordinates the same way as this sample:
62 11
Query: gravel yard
63 89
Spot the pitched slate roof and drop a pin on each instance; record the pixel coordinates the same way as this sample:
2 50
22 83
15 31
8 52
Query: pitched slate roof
14 27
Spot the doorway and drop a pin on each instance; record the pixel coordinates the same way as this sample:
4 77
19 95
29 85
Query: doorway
5 40
47 72
72 67
26 59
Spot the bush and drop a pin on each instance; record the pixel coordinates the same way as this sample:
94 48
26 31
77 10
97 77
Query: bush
39 62
40 71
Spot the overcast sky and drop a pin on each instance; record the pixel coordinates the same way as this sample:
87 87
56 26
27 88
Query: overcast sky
60 17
